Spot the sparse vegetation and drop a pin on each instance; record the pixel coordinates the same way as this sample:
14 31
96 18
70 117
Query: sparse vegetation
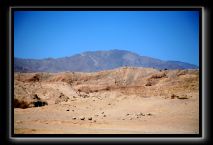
39 103
20 104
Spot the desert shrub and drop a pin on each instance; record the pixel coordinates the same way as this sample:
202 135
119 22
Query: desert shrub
20 104
39 103
35 102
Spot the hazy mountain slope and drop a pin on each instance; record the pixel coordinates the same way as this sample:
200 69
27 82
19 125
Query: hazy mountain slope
95 61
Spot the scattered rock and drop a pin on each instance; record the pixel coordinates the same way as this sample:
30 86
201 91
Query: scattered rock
148 83
68 110
90 118
82 118
142 114
61 98
173 96
74 118
102 113
149 114
85 96
104 116
183 97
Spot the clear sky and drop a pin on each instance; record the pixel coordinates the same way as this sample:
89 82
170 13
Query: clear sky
167 35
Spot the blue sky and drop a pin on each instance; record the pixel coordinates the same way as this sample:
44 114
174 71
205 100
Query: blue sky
167 35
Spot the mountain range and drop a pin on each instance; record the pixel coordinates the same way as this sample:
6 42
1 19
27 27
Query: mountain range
92 61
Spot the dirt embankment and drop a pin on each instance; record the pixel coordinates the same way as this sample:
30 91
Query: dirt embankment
122 100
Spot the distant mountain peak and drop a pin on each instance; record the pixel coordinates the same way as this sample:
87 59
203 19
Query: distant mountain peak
91 61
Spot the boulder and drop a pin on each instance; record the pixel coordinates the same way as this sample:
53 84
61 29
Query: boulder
82 118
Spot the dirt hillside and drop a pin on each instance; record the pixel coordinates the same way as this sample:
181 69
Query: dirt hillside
123 100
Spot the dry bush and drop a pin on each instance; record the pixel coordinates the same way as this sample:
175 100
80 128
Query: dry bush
35 102
39 103
20 104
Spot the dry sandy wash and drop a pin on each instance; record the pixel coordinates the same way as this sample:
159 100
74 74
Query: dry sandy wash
126 100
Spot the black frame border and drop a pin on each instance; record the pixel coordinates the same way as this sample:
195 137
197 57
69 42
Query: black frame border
105 8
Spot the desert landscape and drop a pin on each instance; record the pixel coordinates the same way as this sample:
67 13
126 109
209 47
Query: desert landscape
124 100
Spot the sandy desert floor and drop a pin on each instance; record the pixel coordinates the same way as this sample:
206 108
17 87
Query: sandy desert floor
119 101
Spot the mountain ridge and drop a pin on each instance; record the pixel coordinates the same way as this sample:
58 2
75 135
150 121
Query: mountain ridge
92 61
